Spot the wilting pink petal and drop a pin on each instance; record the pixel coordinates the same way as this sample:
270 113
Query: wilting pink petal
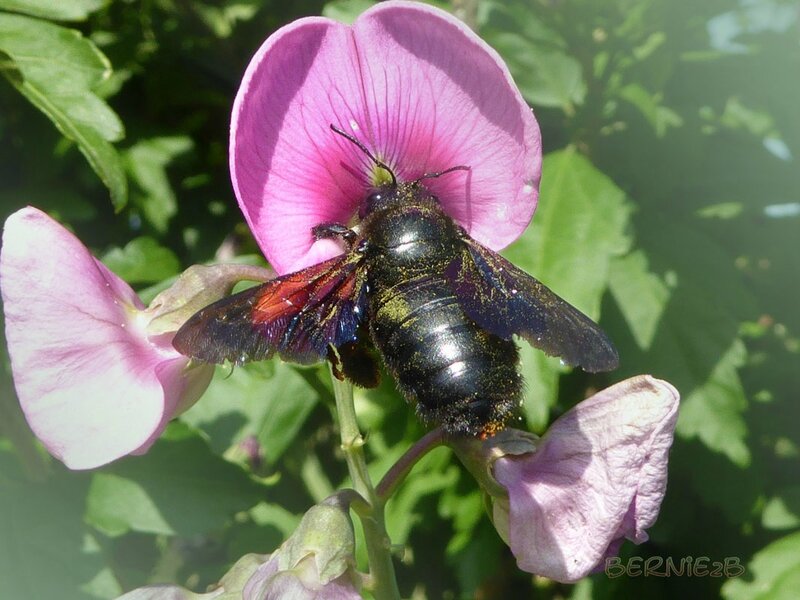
412 83
598 476
92 384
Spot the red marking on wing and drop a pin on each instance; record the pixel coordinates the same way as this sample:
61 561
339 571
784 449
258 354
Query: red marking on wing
303 290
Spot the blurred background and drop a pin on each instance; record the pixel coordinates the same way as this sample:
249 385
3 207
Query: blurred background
669 209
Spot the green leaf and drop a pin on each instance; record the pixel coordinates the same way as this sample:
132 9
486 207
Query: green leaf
535 54
269 400
640 294
142 260
56 69
659 116
712 411
45 551
702 366
774 573
57 10
782 511
578 228
147 162
434 473
179 487
546 76
345 11
223 19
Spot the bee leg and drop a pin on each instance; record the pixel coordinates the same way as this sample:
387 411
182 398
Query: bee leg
334 230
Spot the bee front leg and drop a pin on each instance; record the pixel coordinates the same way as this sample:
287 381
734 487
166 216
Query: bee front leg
325 231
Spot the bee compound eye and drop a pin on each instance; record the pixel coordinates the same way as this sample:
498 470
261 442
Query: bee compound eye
374 198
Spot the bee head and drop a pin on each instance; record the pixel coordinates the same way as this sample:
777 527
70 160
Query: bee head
392 190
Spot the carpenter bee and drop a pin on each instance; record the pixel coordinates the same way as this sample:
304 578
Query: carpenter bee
439 308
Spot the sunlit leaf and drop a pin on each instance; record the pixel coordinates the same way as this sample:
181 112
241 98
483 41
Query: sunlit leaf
147 163
782 511
142 260
659 116
56 69
696 343
58 10
545 76
640 294
773 573
268 400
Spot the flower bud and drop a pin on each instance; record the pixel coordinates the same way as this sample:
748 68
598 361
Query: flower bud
316 562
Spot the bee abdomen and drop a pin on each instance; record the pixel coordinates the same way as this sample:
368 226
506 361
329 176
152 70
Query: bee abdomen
457 374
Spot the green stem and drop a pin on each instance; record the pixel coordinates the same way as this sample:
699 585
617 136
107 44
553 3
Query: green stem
397 474
382 578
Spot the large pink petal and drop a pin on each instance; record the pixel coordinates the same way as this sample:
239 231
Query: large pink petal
85 374
417 87
599 475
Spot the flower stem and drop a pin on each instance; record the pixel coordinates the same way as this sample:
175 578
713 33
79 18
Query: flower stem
397 474
382 578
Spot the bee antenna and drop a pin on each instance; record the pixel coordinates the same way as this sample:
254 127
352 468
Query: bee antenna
440 173
366 151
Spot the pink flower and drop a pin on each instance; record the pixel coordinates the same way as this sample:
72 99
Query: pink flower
93 382
597 476
412 83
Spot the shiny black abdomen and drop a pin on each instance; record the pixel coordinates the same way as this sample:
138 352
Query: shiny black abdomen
457 374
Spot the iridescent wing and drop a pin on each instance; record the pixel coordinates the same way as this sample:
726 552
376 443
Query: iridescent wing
505 300
299 316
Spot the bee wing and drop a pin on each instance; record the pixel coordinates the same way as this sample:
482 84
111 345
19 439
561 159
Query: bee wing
505 300
298 316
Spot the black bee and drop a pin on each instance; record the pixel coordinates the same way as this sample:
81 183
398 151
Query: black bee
439 308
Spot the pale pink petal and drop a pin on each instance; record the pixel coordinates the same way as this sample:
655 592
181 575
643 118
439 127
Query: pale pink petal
86 376
418 88
599 475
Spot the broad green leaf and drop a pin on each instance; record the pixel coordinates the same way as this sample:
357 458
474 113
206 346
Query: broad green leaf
147 162
45 549
56 69
773 573
546 76
142 260
696 344
640 294
535 54
269 400
57 10
179 487
712 411
579 226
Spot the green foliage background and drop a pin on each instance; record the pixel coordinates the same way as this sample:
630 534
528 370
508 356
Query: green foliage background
670 209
